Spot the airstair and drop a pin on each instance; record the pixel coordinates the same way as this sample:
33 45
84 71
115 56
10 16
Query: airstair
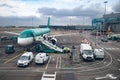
47 46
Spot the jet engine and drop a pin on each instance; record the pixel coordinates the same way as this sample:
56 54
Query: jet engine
53 40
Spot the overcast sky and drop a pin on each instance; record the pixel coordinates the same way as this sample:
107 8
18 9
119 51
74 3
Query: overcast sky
62 12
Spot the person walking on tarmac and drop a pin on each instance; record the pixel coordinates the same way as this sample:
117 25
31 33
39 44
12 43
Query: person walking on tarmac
28 49
73 47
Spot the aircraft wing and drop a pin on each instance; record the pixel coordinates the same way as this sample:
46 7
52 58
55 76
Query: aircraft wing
12 33
63 34
58 35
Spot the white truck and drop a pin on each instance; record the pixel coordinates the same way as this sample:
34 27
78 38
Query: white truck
98 53
41 58
86 52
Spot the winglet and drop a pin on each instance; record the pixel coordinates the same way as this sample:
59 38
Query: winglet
48 24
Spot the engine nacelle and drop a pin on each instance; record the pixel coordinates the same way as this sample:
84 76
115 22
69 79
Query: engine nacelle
53 40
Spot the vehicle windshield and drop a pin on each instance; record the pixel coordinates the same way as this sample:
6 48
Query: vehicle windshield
22 58
87 52
8 48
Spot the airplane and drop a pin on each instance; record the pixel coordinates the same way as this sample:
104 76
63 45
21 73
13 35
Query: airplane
28 36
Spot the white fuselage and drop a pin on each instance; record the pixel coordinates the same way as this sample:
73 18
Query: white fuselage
25 41
29 40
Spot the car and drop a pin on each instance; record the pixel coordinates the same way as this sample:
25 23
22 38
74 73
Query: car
104 39
118 40
41 58
98 53
9 49
95 33
25 59
66 50
4 38
13 38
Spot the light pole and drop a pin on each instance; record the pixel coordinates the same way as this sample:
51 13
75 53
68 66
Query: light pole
83 21
104 16
105 7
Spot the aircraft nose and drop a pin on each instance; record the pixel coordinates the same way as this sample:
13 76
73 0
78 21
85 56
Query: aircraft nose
24 41
20 41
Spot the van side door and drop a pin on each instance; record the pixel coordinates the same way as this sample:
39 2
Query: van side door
29 58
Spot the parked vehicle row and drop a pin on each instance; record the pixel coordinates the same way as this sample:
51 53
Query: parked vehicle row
26 58
5 38
90 54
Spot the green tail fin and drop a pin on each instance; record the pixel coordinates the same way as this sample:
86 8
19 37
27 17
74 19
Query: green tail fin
48 24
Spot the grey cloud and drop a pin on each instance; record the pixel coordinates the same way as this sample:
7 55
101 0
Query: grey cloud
91 11
6 5
19 21
27 21
116 8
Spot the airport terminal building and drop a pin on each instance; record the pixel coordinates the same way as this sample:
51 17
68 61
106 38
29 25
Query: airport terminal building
107 22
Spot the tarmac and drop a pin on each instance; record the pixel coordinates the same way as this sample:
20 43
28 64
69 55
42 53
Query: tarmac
60 65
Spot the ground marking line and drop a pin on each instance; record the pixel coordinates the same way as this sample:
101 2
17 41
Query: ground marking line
100 78
48 76
110 76
118 60
60 63
57 63
11 59
48 63
43 74
111 60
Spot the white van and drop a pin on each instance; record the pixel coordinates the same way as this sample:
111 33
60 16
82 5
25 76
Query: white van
98 53
25 59
41 58
86 52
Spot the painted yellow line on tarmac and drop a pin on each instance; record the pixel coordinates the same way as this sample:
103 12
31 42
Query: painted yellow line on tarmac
11 59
